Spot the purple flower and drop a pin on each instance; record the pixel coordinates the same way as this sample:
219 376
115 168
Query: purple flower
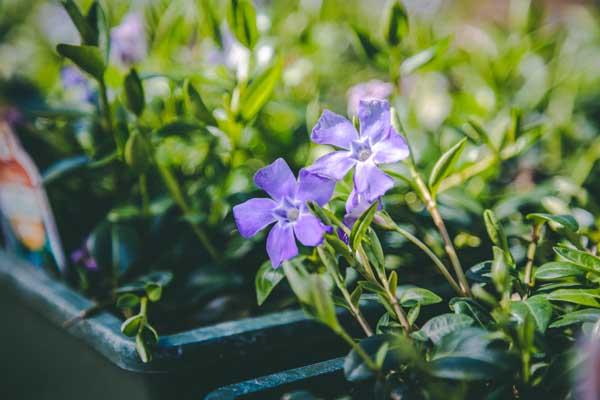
74 81
370 90
82 256
128 40
377 143
286 208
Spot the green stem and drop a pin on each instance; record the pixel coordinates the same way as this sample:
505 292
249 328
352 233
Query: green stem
441 226
355 310
178 197
359 350
144 306
108 115
144 195
438 263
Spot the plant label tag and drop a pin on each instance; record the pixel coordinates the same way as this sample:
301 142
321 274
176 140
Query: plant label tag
27 221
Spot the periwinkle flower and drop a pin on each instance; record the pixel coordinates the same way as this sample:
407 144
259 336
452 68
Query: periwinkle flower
370 90
286 208
377 143
76 84
128 40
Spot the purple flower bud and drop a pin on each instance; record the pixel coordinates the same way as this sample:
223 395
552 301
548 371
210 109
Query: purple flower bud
83 257
377 143
286 208
128 40
371 90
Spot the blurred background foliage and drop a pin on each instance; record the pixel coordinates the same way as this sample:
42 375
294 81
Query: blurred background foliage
520 78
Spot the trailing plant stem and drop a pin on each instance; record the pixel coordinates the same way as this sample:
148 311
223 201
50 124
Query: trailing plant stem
144 195
438 263
108 115
531 249
354 310
441 226
178 197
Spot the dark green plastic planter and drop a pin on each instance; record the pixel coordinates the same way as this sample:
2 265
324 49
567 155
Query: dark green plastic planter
323 380
93 360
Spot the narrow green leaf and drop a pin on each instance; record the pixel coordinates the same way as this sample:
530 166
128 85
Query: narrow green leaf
355 295
89 35
361 225
134 92
96 19
397 26
411 296
579 257
422 58
260 89
138 154
393 281
413 314
565 221
496 234
142 349
241 18
196 106
584 297
88 58
591 315
444 165
558 270
266 280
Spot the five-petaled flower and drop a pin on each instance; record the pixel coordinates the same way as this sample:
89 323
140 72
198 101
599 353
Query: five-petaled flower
377 143
286 208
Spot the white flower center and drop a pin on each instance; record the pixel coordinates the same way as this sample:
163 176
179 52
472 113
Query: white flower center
292 214
364 154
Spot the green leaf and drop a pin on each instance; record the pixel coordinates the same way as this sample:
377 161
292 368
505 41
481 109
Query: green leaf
371 287
437 327
584 297
355 295
89 35
422 58
496 234
444 165
579 257
376 249
411 296
138 152
500 272
131 326
413 314
65 167
114 246
465 368
265 281
393 281
558 270
241 18
128 300
482 134
149 335
591 315
564 221
88 58
260 89
96 19
537 306
361 225
154 291
397 27
471 308
134 92
329 261
196 106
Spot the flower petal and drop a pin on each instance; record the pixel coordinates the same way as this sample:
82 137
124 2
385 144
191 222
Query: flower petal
374 117
313 187
391 148
370 181
334 165
334 129
309 230
281 244
253 215
276 179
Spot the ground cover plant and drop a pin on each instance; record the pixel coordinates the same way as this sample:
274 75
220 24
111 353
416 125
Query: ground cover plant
438 159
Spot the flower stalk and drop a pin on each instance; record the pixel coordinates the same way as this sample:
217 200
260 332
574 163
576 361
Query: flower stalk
431 206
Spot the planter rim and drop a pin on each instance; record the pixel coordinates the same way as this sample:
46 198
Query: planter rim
59 303
291 376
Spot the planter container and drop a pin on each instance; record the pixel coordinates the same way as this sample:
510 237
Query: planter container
43 360
323 380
